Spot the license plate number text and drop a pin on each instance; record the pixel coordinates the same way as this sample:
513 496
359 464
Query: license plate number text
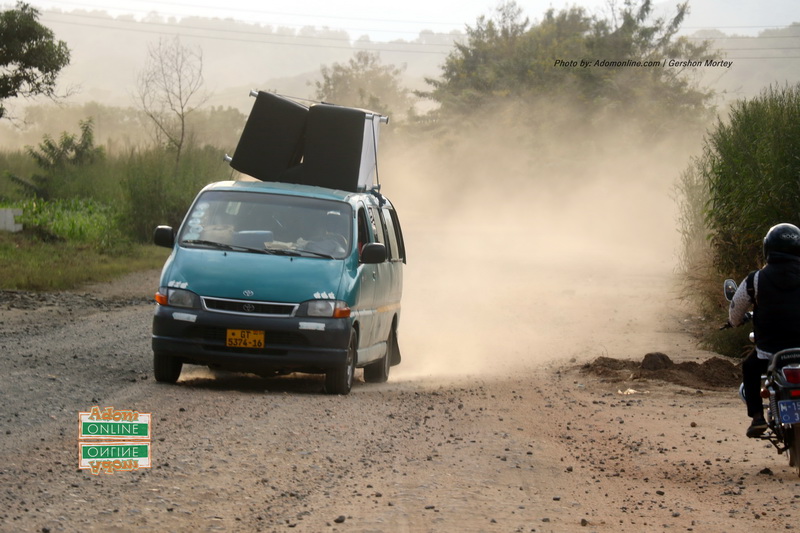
244 338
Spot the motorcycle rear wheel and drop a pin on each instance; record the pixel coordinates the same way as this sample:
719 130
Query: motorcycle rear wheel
794 448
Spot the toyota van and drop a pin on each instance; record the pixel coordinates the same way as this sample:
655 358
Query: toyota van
297 270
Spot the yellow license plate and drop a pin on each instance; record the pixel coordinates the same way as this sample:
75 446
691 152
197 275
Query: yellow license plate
245 338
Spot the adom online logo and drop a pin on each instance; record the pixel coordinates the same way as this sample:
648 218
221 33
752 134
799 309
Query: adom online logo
113 441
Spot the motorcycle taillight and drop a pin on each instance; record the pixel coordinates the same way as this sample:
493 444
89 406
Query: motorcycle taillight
791 375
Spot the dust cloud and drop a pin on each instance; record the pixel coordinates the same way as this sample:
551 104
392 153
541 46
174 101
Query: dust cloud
518 257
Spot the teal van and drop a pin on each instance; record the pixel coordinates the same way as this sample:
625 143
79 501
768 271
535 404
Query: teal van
280 274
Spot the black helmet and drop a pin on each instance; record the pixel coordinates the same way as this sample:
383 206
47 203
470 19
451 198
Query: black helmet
782 238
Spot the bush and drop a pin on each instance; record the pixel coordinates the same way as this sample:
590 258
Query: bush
157 192
751 167
745 182
80 221
13 163
730 342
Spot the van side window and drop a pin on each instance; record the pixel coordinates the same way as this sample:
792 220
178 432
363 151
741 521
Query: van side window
393 248
395 235
378 228
363 230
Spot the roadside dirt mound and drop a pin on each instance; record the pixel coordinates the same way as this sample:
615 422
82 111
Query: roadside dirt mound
713 373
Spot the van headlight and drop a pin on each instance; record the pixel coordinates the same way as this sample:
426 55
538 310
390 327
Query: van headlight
324 309
178 298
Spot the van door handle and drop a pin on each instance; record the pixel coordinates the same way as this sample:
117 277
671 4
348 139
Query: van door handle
374 275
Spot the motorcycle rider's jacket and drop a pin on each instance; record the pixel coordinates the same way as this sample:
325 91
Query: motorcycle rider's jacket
775 293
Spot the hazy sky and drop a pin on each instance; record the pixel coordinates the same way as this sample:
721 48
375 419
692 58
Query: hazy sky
403 19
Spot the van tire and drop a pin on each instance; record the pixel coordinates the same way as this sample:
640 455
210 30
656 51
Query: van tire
378 372
166 368
340 380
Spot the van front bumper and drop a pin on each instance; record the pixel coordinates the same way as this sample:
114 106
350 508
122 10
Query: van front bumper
196 336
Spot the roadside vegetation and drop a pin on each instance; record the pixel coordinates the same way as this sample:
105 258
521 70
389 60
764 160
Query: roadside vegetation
98 201
28 263
93 221
745 181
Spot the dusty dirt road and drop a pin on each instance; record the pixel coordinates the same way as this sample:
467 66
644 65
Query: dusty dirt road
489 424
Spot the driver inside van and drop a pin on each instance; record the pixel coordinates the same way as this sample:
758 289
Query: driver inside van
328 235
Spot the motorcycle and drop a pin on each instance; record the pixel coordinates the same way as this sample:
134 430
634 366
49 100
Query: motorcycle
781 388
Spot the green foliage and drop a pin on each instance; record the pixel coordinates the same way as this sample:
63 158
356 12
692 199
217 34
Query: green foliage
79 221
83 205
158 193
30 57
27 263
68 150
493 62
13 163
123 198
751 167
508 59
745 181
366 83
733 342
58 159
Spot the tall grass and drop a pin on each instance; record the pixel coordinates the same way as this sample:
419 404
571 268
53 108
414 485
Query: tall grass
746 180
15 163
752 169
156 191
122 196
98 213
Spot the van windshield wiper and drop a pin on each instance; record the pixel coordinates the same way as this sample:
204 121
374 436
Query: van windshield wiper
270 251
317 254
280 251
212 244
296 253
223 246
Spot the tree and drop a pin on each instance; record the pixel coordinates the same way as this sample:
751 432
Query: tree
366 83
56 159
486 66
30 57
505 58
169 89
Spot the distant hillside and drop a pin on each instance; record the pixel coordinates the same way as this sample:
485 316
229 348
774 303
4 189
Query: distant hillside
772 57
108 52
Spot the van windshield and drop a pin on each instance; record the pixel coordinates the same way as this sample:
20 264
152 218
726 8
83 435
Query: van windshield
269 223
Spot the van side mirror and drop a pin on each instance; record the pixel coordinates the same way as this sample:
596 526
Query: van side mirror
373 252
164 236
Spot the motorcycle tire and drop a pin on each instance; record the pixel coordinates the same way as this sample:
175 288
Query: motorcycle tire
794 447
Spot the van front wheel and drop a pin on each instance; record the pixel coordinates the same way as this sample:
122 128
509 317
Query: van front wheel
378 372
166 368
340 380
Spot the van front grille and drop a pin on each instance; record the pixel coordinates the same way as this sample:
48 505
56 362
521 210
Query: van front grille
248 307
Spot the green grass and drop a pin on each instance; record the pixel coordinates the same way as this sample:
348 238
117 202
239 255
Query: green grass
27 263
731 342
80 221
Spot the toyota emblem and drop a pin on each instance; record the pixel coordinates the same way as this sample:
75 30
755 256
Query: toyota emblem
248 292
249 308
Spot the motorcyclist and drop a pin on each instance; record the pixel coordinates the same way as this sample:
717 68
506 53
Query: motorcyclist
773 293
